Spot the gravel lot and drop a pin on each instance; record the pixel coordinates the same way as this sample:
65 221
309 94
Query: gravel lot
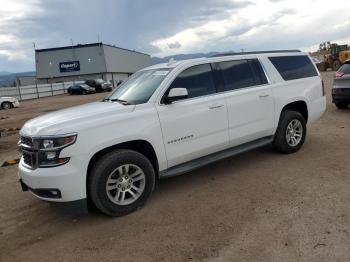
259 206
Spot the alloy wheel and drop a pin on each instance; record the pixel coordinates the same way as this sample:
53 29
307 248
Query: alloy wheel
294 132
125 184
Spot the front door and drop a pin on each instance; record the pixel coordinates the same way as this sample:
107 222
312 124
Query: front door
198 125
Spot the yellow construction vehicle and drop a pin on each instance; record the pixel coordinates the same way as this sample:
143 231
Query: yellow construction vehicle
338 55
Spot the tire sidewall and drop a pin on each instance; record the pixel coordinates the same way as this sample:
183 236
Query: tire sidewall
280 138
101 172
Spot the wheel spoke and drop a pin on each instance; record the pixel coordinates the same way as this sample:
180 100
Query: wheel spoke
135 188
132 194
116 198
136 173
111 187
112 180
120 170
126 169
123 196
138 178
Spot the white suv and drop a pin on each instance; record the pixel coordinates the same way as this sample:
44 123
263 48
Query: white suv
8 102
166 120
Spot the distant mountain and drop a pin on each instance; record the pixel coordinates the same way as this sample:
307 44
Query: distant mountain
3 73
158 60
10 78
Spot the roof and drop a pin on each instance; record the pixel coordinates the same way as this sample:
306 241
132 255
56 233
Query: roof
226 56
257 52
83 46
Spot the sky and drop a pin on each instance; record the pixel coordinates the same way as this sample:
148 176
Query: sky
162 28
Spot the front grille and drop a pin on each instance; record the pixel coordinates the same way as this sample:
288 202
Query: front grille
28 141
28 151
27 158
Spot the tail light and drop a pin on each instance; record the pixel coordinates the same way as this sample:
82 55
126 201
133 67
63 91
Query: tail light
323 90
339 74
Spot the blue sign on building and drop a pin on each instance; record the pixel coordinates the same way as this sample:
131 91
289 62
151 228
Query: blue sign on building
71 66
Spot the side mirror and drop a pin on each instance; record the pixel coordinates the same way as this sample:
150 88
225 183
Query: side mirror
176 94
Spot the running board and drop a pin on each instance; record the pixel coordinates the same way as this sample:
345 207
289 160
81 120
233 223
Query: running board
205 160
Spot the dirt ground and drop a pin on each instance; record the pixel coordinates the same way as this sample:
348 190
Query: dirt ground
259 206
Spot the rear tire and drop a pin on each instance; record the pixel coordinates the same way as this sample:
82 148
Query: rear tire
121 182
291 132
342 105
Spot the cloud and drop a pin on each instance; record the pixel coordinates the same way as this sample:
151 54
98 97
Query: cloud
174 45
165 28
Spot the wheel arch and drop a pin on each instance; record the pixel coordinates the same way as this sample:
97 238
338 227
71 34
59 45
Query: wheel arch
142 146
298 106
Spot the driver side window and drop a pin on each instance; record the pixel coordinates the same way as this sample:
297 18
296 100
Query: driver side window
198 80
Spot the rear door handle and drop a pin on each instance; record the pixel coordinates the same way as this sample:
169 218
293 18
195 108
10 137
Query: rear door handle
216 106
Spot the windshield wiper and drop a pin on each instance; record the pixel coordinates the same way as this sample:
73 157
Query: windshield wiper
123 102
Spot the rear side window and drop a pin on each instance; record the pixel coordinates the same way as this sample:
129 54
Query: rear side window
345 69
294 67
198 80
236 74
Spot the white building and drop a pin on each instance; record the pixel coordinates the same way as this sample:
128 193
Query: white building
88 61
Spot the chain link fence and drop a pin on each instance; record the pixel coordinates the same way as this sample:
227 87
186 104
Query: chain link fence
36 91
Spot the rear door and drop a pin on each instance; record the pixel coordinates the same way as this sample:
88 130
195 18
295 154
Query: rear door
249 100
198 125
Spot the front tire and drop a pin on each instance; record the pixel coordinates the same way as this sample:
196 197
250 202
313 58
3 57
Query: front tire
6 105
121 182
291 132
342 105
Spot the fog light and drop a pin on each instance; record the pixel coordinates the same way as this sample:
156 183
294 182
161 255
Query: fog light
50 155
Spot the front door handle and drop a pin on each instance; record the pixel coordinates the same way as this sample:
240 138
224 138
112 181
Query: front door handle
264 95
216 106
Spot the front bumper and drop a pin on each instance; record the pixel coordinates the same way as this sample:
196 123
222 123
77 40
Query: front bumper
15 104
71 207
67 181
341 95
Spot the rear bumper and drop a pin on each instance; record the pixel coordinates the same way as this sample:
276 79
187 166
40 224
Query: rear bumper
340 95
15 104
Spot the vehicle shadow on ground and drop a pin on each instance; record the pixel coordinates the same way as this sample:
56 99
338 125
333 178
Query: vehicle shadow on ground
217 171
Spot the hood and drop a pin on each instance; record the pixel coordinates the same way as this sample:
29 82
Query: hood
75 118
8 98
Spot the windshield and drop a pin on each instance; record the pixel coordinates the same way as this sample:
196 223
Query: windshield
139 87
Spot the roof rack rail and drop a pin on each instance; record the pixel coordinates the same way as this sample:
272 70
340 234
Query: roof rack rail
257 52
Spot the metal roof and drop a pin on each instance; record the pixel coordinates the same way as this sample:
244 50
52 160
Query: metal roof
85 45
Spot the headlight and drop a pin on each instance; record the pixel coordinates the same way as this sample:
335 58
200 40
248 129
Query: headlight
50 149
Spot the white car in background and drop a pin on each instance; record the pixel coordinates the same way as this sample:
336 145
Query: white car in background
8 102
